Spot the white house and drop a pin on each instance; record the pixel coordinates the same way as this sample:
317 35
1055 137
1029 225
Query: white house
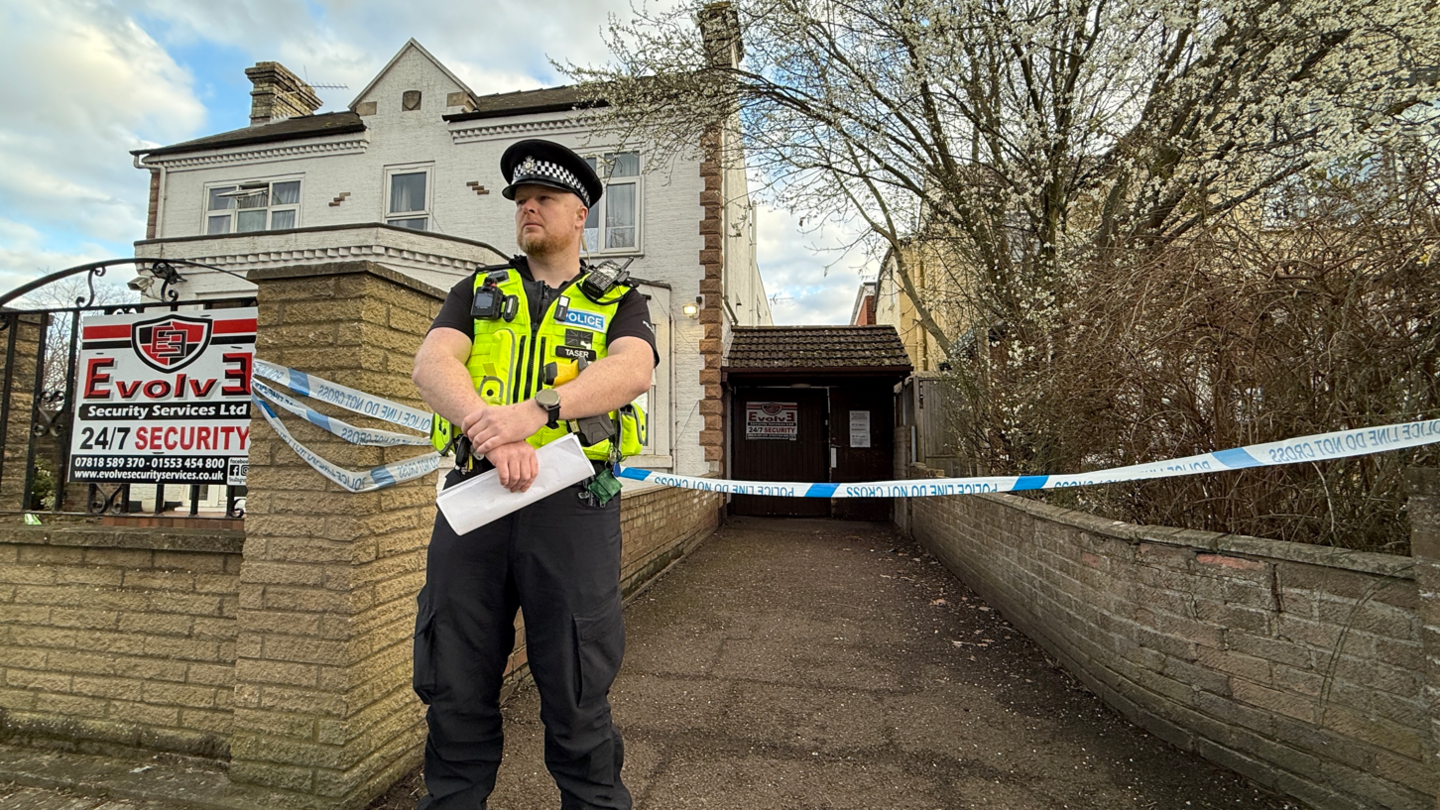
409 177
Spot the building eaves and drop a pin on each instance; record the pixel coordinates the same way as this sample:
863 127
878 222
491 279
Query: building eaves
524 102
829 348
306 126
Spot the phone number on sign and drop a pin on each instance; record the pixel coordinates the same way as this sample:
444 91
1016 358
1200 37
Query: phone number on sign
149 463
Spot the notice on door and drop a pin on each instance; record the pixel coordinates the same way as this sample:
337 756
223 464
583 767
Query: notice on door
164 398
772 420
859 428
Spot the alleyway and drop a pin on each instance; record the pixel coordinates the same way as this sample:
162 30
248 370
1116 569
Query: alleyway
816 664
794 664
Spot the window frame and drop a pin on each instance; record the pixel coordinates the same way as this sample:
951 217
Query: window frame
602 207
233 214
428 214
659 453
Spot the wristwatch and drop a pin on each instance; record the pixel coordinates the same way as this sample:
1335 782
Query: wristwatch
548 399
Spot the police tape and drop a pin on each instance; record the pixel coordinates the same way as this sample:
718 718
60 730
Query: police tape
345 397
369 480
348 432
307 385
1317 447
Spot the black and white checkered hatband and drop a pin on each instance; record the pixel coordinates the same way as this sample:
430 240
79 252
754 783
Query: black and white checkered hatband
552 173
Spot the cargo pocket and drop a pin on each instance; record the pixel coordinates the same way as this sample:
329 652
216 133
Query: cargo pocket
424 679
600 643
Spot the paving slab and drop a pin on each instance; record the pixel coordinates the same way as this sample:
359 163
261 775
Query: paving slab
802 664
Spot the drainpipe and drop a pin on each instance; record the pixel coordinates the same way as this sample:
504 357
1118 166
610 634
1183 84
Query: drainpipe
159 198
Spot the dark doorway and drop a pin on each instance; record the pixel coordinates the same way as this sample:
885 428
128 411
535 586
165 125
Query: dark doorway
781 434
812 404
862 433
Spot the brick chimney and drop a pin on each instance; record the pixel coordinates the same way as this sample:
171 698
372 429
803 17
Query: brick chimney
278 94
720 31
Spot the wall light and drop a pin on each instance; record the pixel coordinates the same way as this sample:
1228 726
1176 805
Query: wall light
693 310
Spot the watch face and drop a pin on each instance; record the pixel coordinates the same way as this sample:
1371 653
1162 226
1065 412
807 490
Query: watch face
547 397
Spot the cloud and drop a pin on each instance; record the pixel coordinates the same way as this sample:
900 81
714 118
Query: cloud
87 86
24 256
492 47
811 277
102 77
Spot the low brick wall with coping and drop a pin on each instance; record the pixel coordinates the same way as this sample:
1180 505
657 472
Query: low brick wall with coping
115 637
285 649
1314 671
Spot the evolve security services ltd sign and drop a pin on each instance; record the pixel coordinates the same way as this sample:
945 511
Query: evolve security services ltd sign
164 398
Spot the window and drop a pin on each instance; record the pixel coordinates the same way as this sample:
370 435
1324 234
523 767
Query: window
619 206
408 198
252 206
658 404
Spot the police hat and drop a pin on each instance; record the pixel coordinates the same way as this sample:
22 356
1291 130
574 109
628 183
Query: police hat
543 163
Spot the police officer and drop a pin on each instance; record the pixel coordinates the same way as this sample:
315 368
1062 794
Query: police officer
519 355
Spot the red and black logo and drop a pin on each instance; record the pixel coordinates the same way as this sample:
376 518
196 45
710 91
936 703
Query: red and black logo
172 342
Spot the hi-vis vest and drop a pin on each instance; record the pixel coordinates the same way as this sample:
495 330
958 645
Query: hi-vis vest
511 360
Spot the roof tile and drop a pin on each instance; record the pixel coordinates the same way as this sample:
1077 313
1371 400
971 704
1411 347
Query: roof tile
302 126
819 347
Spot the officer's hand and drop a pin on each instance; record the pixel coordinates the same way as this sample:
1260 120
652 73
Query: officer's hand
517 465
491 427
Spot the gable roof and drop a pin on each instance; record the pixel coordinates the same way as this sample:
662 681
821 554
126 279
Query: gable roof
396 58
304 126
826 348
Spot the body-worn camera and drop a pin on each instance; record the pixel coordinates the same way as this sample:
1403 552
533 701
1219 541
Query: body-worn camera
491 304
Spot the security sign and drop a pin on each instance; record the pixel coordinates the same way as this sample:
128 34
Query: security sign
772 420
172 342
164 399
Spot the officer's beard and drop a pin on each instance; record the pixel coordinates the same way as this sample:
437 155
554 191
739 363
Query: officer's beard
543 244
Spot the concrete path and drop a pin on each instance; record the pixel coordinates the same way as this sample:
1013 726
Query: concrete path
817 664
804 665
17 798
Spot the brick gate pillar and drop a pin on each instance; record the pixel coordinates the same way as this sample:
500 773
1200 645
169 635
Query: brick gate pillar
1424 509
19 346
324 711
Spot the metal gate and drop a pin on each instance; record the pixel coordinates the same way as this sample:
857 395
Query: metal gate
37 389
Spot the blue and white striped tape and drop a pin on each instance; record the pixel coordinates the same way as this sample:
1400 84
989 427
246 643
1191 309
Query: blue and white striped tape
369 480
348 432
306 385
1319 447
345 397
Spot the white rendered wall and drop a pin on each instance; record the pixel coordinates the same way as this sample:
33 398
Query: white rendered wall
457 153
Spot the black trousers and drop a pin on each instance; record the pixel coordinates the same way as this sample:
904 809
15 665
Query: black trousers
558 561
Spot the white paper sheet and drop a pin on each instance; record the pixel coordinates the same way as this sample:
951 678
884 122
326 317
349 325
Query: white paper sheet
471 504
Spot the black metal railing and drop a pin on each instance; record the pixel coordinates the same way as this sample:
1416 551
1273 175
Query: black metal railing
38 383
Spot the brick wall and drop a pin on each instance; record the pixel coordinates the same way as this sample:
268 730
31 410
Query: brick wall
118 637
323 706
1424 509
660 526
712 286
1301 667
285 648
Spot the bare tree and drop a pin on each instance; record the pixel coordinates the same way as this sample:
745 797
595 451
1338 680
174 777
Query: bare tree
1029 135
1145 228
65 293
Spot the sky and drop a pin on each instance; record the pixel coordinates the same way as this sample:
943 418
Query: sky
91 80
